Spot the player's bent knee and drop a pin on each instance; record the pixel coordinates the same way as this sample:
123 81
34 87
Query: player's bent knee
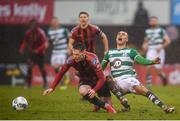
83 90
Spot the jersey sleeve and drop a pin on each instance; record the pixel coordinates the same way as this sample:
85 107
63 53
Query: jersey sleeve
163 33
99 72
44 41
133 53
146 34
68 34
105 60
24 42
73 34
98 30
139 59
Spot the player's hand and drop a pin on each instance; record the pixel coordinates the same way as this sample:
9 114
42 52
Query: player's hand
91 93
159 49
105 52
21 51
69 51
157 60
48 91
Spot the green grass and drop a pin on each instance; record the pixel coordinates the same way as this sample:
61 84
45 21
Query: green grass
67 105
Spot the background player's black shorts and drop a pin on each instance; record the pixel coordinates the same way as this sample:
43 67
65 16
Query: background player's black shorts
36 59
104 91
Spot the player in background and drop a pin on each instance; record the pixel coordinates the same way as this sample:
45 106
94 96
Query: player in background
155 42
58 37
91 76
86 33
121 61
36 42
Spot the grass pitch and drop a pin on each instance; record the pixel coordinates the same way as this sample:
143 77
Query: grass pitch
67 104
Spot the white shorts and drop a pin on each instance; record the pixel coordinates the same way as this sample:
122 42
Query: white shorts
127 84
152 54
58 59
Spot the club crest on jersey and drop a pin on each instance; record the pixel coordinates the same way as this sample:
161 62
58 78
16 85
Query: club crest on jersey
94 61
125 54
69 60
117 63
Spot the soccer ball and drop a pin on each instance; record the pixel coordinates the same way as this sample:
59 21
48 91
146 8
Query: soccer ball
19 103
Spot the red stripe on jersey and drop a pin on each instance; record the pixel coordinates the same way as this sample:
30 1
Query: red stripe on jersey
87 36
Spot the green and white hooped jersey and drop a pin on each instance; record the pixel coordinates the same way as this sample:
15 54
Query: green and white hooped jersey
155 37
59 38
121 62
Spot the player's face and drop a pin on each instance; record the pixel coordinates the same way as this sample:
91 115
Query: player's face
153 22
77 55
54 22
83 19
33 25
122 38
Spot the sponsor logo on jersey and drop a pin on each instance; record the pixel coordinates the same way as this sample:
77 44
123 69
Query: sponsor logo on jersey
117 63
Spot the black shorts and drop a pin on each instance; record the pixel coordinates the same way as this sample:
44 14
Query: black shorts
36 59
104 91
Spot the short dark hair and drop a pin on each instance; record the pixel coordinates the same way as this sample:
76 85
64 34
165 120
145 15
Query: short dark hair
83 12
33 23
153 17
80 46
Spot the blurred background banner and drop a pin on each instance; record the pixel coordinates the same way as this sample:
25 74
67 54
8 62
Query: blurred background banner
21 11
110 12
175 12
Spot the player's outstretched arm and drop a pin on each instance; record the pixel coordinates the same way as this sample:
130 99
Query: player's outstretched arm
141 60
70 45
57 79
105 61
22 47
104 40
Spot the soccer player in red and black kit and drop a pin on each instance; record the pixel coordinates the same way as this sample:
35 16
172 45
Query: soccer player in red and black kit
86 33
90 73
36 42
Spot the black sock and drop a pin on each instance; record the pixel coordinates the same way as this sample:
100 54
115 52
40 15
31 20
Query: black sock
124 103
95 101
163 77
115 89
29 77
43 72
155 99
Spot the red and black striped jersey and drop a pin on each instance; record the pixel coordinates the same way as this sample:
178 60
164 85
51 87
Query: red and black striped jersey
89 70
35 40
86 36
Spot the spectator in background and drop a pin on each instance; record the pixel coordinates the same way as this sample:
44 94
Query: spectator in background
141 16
58 37
36 42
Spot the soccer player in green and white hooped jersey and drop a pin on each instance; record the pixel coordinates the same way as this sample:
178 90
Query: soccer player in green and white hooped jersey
124 79
155 41
58 37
